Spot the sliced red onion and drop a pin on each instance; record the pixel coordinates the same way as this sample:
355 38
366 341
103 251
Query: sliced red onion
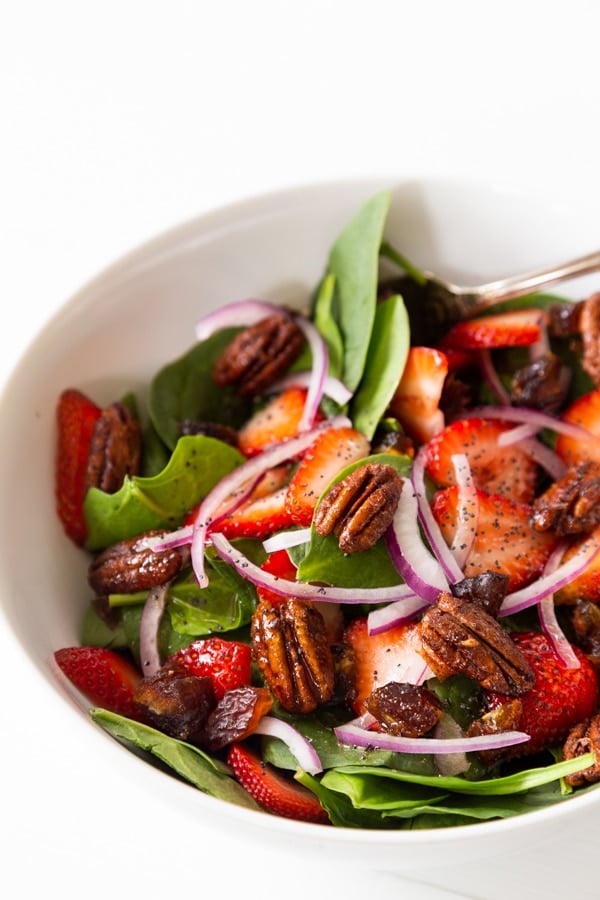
548 620
468 510
545 457
549 583
354 736
491 377
253 573
240 313
332 387
450 764
284 540
531 416
168 541
518 433
434 536
212 505
320 361
152 613
418 567
299 746
385 617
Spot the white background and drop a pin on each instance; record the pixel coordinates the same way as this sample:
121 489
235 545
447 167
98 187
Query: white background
119 120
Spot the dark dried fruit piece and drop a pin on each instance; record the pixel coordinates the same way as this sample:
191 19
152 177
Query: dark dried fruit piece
571 505
236 716
589 324
259 355
488 589
407 709
115 449
130 566
584 738
541 385
209 429
176 703
359 508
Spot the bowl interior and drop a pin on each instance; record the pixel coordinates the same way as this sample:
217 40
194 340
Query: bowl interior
121 327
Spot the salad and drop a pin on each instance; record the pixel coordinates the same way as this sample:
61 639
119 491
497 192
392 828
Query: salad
345 569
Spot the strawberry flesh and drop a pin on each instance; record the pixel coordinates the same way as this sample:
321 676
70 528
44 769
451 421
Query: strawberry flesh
277 421
227 663
416 400
515 328
76 419
584 411
103 676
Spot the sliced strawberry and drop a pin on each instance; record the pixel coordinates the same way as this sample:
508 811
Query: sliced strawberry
559 698
504 542
275 422
497 470
416 400
227 663
515 328
76 419
331 452
584 411
103 676
258 517
274 791
587 585
280 565
378 659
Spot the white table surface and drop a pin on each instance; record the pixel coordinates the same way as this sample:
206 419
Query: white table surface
120 119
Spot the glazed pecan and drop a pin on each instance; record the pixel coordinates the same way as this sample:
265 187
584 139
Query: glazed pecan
130 566
543 384
259 355
115 450
584 738
408 709
359 508
589 324
291 648
460 637
571 505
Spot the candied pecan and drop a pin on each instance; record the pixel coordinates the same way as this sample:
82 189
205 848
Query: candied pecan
176 702
408 709
291 648
115 449
589 324
209 429
488 589
460 637
236 716
359 508
259 355
543 384
584 738
130 566
571 505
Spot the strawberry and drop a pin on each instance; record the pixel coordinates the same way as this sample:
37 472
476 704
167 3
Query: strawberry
515 328
263 512
274 791
416 400
504 542
393 655
587 585
277 421
103 676
332 451
76 418
497 470
280 565
559 698
227 663
584 411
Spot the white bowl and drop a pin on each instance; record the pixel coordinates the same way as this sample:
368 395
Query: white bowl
140 313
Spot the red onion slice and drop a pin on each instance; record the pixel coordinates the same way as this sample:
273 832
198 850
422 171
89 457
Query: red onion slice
354 736
385 617
545 457
434 536
468 510
284 540
549 622
299 746
418 567
518 433
491 377
332 387
528 415
240 313
320 361
152 613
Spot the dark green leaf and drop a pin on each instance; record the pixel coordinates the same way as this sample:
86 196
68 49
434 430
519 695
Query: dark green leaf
326 324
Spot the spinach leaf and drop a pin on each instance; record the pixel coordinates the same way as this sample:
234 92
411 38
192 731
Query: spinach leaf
386 358
188 761
354 262
169 640
325 323
185 389
160 501
340 809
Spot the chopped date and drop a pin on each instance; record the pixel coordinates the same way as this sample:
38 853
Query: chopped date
410 710
176 703
236 716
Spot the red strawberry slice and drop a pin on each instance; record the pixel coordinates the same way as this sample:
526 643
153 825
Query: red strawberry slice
279 564
584 411
393 655
274 791
331 452
227 663
103 676
416 400
277 421
559 698
504 542
587 585
515 328
263 512
497 470
76 419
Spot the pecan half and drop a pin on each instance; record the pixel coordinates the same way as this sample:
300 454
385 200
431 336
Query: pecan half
408 709
460 637
291 649
130 566
115 449
359 508
572 504
584 738
259 355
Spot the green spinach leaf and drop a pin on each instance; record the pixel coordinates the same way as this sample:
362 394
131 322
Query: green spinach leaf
325 323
